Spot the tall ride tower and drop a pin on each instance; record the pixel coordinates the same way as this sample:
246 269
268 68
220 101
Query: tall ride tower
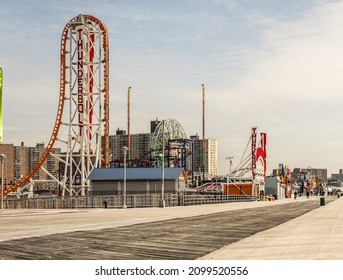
83 109
84 72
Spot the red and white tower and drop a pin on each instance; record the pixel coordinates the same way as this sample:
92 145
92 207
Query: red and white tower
84 70
82 123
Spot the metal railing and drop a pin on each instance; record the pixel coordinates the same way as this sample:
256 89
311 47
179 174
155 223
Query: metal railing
116 201
215 198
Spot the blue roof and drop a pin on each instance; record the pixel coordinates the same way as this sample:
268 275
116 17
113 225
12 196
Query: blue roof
135 173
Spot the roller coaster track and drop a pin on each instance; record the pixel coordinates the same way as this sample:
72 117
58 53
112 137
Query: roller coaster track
62 98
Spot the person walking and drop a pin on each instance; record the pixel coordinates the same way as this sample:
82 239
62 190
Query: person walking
105 203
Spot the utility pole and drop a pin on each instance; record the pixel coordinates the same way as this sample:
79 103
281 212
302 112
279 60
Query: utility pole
230 163
125 149
162 201
2 159
203 131
128 123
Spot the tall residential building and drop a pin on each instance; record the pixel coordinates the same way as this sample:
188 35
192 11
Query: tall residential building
205 158
35 153
21 161
303 174
338 176
8 172
140 145
52 162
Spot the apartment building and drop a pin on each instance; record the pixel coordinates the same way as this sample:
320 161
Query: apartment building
20 160
139 145
8 172
205 158
35 153
303 174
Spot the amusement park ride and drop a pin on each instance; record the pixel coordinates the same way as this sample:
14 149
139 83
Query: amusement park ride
254 161
81 127
252 168
83 107
248 177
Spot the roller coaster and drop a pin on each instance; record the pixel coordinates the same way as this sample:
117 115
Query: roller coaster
81 128
83 107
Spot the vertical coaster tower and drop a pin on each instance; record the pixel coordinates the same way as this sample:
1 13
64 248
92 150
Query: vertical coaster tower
84 72
82 122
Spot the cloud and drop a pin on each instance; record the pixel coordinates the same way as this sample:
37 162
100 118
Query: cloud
230 5
290 87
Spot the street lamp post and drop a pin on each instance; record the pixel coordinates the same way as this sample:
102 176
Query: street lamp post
2 159
162 202
125 149
230 163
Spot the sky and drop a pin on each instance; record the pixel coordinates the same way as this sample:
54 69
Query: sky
273 64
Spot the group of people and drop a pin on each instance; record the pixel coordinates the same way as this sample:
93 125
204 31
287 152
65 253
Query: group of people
295 194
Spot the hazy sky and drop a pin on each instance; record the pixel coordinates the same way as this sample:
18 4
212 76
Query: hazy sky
274 64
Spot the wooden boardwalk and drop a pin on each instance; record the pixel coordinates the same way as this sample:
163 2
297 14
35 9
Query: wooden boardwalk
184 238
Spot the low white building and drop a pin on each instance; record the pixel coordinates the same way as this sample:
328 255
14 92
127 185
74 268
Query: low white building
275 187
